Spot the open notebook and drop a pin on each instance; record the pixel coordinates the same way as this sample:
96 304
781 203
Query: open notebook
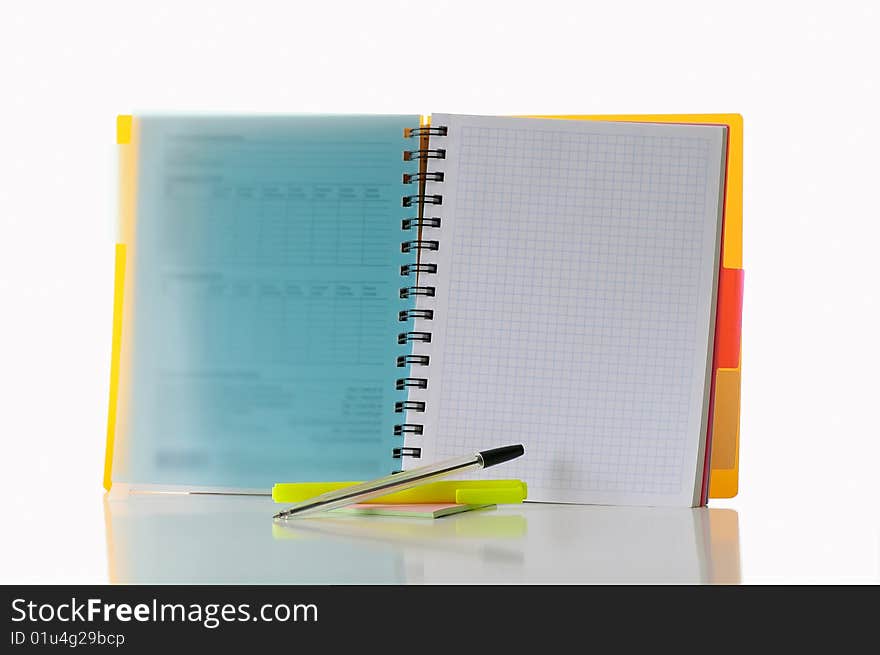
302 302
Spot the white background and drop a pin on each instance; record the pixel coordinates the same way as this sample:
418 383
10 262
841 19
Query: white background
803 75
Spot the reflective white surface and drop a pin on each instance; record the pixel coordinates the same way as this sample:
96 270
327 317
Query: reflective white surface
208 539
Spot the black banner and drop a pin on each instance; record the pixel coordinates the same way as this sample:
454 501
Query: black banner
150 618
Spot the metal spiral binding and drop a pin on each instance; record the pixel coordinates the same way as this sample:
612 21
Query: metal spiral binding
424 153
410 132
419 223
419 269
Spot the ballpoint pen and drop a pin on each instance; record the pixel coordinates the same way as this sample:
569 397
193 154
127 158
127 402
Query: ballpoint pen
400 481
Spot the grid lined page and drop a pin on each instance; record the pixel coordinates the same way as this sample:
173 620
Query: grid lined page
574 306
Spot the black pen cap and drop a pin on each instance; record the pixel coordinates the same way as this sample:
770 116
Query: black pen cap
501 455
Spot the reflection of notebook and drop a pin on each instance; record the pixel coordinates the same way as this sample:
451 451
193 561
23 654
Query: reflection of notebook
604 545
225 539
587 545
285 316
210 539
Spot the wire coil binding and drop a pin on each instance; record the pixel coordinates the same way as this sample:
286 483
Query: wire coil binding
410 132
405 337
406 314
409 178
419 223
418 270
424 153
421 198
419 244
409 269
408 292
418 360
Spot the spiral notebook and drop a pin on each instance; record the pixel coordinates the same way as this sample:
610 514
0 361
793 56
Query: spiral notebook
323 298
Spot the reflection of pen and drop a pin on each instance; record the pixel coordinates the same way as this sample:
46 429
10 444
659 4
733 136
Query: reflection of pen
400 481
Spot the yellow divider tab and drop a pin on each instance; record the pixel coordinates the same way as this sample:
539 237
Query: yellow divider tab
123 129
118 286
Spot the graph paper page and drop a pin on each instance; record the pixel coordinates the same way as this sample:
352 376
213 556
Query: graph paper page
574 303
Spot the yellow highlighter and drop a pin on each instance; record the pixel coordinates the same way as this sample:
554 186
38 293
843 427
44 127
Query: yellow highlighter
470 492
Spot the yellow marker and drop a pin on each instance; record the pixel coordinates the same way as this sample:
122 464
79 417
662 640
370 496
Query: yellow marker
471 492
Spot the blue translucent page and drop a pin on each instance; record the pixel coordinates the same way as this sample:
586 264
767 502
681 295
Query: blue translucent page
262 338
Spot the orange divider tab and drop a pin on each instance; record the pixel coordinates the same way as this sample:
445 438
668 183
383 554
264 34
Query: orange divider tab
725 434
